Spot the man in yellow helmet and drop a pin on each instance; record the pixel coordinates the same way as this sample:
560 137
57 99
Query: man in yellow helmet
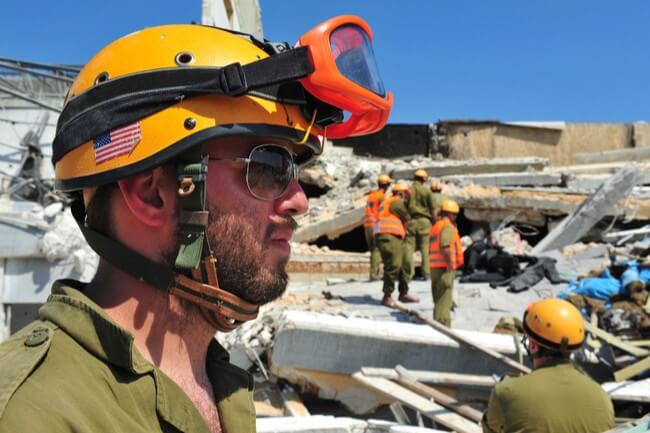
445 257
557 396
420 206
390 231
370 218
180 147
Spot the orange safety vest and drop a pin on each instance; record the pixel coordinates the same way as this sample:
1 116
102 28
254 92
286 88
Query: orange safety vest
387 222
437 258
372 208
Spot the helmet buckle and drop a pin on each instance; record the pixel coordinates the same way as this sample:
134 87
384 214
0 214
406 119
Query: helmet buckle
186 187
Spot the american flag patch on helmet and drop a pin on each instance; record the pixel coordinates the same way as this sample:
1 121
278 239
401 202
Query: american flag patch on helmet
117 142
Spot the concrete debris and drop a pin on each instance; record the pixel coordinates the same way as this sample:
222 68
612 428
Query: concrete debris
526 190
511 241
574 226
456 167
634 154
507 179
315 341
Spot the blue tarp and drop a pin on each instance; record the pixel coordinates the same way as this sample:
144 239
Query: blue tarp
605 286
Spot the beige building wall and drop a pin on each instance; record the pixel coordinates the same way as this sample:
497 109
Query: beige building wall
642 134
557 142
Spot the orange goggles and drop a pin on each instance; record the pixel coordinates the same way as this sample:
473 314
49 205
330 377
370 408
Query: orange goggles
331 73
346 75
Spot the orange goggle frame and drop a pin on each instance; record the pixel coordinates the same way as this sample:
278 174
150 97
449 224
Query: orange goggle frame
346 75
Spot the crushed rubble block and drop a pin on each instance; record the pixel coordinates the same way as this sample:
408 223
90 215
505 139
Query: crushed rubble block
592 210
476 166
315 341
307 258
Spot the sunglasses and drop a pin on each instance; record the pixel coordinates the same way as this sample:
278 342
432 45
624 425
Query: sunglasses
270 168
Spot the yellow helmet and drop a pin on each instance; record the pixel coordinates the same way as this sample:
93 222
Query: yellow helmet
555 324
421 174
384 179
436 186
163 128
400 187
450 206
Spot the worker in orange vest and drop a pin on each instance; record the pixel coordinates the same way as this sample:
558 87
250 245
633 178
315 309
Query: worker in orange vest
445 256
390 232
370 217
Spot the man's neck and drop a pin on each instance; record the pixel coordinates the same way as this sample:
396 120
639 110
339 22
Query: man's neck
169 333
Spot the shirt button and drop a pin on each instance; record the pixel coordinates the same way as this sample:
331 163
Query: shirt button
37 337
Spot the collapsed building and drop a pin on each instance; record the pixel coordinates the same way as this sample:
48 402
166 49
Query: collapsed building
575 193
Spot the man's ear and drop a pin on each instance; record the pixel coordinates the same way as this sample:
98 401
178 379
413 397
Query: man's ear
150 196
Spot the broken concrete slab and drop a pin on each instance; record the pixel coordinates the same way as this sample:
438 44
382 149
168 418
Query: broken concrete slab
632 154
550 203
332 227
313 341
592 210
457 167
508 179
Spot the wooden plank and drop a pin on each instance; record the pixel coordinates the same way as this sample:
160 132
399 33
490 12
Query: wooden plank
615 341
463 340
640 343
434 377
632 370
428 408
407 381
292 403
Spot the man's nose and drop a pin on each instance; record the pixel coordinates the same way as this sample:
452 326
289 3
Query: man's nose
293 202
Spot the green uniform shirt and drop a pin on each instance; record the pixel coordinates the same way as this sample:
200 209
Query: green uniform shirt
421 201
437 198
76 370
398 208
556 397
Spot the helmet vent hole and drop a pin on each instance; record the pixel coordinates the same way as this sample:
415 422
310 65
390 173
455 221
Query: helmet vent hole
184 58
101 78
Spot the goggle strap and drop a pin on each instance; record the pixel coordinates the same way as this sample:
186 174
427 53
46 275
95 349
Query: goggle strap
133 97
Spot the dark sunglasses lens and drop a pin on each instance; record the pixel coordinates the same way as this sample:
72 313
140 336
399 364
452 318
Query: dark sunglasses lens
270 171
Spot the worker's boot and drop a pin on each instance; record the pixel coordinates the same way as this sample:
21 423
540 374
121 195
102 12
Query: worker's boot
406 298
387 300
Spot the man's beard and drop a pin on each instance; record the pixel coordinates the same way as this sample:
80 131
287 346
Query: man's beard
239 251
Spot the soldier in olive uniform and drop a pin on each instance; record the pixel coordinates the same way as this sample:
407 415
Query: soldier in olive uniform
390 231
557 396
438 198
420 206
186 186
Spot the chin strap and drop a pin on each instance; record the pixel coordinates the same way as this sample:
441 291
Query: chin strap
220 308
